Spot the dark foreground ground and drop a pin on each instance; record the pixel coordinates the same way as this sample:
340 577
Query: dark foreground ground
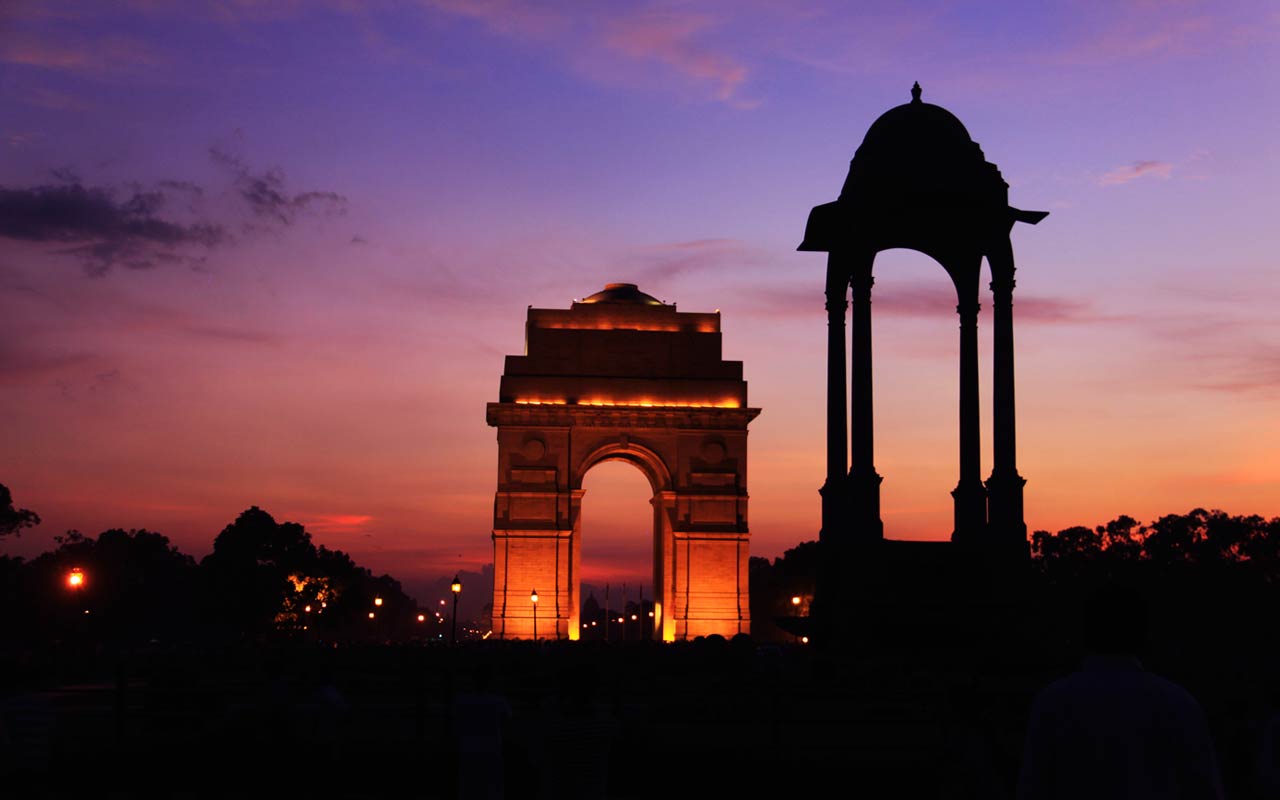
925 715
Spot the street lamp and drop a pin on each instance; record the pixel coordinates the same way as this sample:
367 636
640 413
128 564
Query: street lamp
533 598
456 588
795 605
377 601
75 578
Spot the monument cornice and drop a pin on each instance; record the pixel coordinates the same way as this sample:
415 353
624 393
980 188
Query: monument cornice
563 416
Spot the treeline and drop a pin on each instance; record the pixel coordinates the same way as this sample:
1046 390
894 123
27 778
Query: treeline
1218 569
1199 540
264 580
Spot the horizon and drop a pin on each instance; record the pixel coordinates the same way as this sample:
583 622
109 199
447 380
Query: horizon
294 244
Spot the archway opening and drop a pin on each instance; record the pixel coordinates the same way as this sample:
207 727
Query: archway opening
915 340
617 546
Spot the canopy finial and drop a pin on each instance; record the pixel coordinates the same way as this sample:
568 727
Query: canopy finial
915 92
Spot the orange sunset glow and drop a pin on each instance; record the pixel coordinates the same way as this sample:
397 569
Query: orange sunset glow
340 275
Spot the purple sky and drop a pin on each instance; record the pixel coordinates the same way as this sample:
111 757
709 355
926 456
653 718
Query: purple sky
273 253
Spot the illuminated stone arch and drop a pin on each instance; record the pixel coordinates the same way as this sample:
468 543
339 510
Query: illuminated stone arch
621 376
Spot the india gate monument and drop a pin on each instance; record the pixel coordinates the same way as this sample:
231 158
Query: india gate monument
621 376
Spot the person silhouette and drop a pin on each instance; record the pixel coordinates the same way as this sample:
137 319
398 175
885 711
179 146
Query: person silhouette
579 734
1112 729
481 716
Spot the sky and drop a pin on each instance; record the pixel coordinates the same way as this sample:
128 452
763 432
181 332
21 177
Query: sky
273 253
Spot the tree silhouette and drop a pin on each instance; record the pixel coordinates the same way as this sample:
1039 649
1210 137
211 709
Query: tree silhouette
263 576
13 520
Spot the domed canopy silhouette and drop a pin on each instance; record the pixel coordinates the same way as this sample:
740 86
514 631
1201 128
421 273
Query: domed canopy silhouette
920 182
917 165
622 293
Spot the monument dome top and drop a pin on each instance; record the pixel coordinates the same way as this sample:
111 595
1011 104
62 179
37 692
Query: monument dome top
623 294
914 124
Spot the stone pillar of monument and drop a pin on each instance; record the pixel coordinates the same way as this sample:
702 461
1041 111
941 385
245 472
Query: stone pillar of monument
837 433
834 501
864 482
970 495
1004 487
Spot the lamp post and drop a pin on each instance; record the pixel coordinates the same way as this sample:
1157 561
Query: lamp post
456 588
75 583
795 606
533 598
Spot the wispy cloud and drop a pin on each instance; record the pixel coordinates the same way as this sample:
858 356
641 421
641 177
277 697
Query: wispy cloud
1136 170
265 194
1143 31
919 300
511 17
22 363
337 523
670 260
99 57
672 38
602 42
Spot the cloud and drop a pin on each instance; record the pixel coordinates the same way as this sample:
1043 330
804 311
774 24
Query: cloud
669 260
1231 362
336 523
266 196
671 39
919 300
101 56
602 43
1138 169
106 230
20 363
510 17
1145 32
135 227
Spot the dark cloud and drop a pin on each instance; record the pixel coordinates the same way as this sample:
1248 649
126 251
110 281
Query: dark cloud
65 175
105 231
138 227
266 196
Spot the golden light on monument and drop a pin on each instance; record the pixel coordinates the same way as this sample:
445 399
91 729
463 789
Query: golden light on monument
623 376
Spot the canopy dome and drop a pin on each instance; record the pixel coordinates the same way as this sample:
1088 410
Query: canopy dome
919 149
917 180
623 294
916 123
